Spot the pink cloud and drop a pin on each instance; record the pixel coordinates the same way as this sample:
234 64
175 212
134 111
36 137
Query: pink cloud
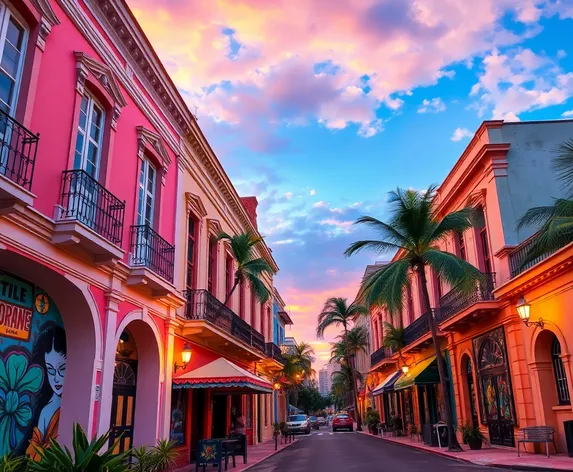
247 62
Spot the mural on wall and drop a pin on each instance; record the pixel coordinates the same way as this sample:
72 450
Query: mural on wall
32 366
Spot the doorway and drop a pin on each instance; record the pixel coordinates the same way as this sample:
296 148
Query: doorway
123 395
471 393
219 428
197 420
495 387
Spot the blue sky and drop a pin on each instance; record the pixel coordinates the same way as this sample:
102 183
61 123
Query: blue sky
320 112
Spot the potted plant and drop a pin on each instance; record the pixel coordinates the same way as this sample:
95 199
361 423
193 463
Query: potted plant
414 431
373 420
283 428
276 429
472 436
398 425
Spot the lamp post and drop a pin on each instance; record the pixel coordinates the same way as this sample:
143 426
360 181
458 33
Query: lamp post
524 312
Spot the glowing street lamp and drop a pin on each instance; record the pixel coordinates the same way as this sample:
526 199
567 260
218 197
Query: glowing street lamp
524 312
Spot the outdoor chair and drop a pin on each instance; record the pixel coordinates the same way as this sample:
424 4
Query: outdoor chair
241 448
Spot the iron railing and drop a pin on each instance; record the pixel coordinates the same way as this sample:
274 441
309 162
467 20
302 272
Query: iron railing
453 302
274 352
379 355
201 305
150 250
18 147
520 254
85 200
417 329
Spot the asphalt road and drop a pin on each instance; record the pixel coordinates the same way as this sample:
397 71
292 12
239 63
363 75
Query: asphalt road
345 452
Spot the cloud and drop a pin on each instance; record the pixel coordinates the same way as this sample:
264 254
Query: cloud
567 114
520 81
247 64
312 192
461 133
288 195
435 105
321 204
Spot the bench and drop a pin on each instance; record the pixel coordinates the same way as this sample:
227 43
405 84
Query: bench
537 434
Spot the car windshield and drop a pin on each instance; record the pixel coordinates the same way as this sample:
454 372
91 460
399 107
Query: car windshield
342 416
296 418
313 418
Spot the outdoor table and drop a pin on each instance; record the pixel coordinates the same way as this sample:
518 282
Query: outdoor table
228 446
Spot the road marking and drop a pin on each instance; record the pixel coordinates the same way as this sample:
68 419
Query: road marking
331 434
320 434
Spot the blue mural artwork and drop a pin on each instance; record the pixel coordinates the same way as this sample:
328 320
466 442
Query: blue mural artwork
32 366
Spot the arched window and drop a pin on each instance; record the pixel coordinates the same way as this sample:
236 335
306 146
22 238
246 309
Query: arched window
560 375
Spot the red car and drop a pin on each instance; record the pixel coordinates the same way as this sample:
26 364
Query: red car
342 421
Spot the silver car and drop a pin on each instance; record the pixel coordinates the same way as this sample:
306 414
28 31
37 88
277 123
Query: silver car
298 424
321 421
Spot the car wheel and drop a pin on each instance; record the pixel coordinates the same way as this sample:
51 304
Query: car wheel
334 430
351 429
308 431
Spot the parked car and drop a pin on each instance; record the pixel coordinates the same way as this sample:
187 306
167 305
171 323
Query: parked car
298 424
321 421
313 420
342 421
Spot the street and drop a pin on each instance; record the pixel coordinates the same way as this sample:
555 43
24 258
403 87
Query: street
344 451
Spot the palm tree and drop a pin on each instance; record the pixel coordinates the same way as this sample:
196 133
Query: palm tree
289 376
304 353
342 382
555 221
249 267
337 312
393 338
414 231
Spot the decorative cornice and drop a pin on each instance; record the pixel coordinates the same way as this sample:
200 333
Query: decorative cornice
48 20
85 66
147 139
214 226
195 205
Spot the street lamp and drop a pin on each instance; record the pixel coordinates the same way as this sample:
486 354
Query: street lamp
523 310
185 357
405 369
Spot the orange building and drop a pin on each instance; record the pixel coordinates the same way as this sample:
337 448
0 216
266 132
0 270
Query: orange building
505 373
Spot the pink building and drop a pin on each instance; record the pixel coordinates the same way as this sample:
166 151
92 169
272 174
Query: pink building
110 198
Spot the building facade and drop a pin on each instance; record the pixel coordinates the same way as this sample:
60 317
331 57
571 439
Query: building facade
503 374
113 282
323 382
281 320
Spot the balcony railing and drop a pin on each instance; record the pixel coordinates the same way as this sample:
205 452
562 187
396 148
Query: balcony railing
150 250
274 352
18 147
417 329
519 255
88 202
379 355
201 305
453 302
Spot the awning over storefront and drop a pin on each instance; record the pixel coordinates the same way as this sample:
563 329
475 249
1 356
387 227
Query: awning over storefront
388 384
223 374
423 373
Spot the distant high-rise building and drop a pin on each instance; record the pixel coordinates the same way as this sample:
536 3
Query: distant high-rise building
323 381
289 344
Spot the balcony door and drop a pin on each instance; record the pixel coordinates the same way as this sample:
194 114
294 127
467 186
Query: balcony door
144 251
13 38
83 187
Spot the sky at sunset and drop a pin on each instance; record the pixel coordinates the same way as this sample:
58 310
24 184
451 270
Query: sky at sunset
320 107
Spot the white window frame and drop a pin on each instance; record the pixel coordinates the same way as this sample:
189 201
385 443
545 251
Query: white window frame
6 12
92 103
146 193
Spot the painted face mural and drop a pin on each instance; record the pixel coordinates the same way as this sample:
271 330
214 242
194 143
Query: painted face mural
32 366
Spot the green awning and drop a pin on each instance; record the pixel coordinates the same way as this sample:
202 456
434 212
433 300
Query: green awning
423 373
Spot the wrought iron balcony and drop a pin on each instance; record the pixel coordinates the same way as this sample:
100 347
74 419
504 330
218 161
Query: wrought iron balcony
150 250
518 256
201 305
454 302
18 147
379 355
274 352
84 199
417 329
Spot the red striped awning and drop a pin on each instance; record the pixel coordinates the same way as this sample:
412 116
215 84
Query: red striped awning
223 374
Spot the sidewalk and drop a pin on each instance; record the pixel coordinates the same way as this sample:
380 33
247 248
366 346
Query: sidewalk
255 454
491 456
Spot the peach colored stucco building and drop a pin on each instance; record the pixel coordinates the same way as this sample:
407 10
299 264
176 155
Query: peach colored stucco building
503 374
110 272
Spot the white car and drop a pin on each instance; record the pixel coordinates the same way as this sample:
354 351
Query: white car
298 424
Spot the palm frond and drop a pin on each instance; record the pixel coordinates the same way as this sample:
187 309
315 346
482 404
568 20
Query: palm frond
393 337
455 222
376 246
260 290
563 165
385 286
457 272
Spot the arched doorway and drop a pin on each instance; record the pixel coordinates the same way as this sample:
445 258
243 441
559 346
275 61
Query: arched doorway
470 390
136 384
124 391
495 387
55 345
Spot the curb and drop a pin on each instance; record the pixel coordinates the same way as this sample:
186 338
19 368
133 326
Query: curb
462 459
274 453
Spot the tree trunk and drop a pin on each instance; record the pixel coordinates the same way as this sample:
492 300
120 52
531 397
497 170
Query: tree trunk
230 294
453 444
354 388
